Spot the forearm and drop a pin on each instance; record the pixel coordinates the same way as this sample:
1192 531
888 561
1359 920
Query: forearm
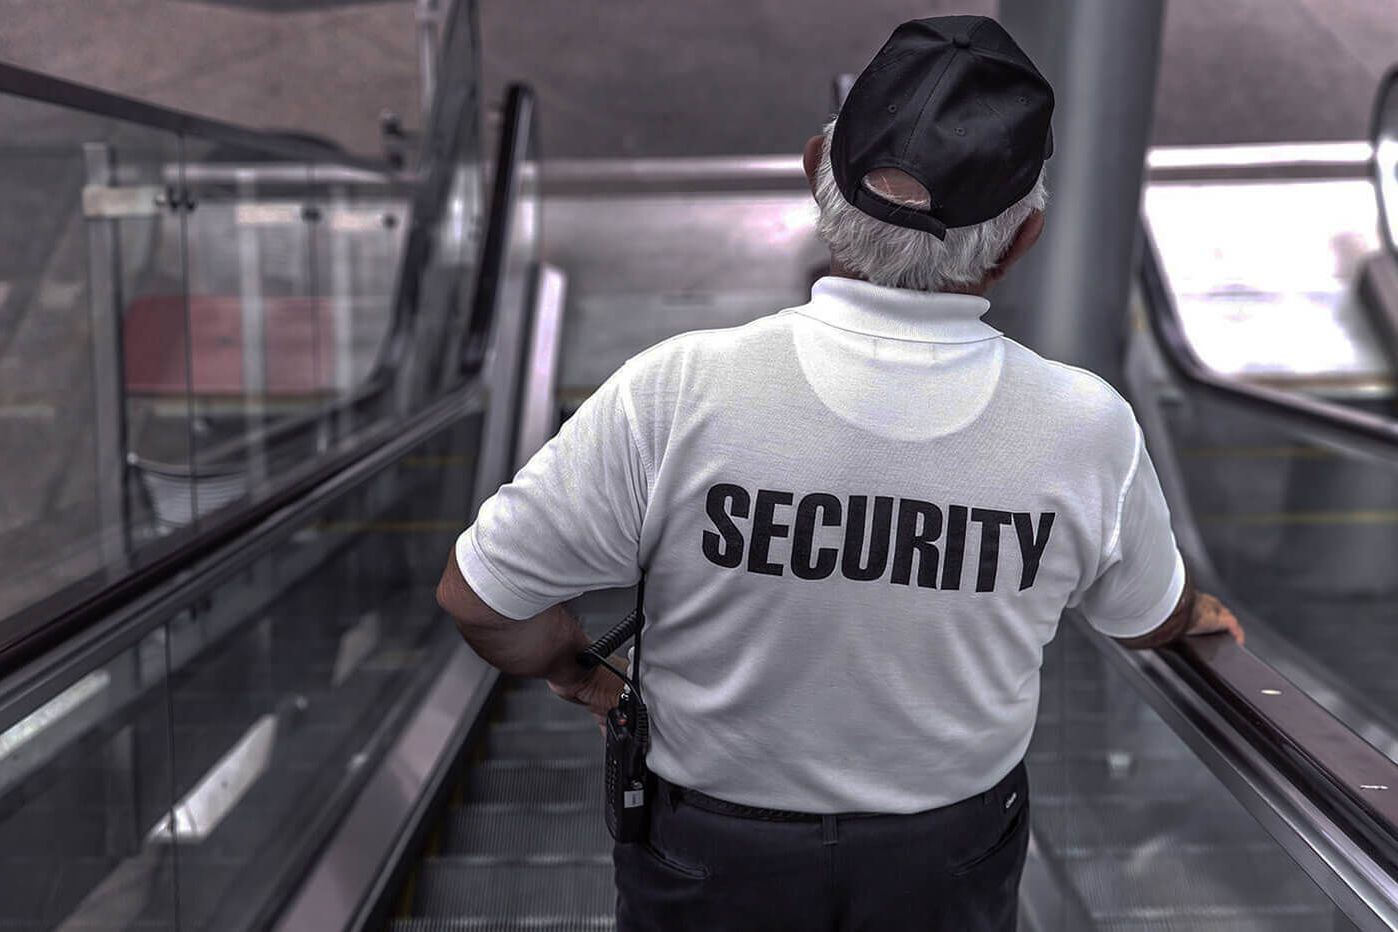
544 645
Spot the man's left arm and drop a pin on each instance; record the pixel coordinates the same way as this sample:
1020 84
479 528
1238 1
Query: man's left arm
545 645
569 522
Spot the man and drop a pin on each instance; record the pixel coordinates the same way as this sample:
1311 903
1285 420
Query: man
860 521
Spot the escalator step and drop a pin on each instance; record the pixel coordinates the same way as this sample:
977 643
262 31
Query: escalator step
1308 921
544 741
521 891
577 924
1171 773
1071 736
540 705
538 782
1225 883
1081 828
509 831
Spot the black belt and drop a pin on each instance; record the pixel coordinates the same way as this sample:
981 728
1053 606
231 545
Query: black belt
673 792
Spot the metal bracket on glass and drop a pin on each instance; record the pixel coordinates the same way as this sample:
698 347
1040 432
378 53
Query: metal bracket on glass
104 284
103 202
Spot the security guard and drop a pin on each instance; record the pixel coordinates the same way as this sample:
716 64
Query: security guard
860 520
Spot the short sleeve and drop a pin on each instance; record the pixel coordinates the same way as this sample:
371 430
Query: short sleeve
569 521
1142 574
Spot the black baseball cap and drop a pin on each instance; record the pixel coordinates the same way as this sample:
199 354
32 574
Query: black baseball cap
957 105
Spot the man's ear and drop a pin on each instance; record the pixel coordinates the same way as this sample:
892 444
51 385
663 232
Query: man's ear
1025 238
810 158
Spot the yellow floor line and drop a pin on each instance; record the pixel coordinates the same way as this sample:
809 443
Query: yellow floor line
391 527
1371 516
1202 453
453 459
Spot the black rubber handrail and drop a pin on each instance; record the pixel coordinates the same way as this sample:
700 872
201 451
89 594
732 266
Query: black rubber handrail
35 683
45 88
516 144
1355 783
454 109
335 471
41 626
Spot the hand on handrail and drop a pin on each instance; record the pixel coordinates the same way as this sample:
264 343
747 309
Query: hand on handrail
1210 616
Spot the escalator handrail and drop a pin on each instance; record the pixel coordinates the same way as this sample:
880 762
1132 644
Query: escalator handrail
440 156
1299 812
1374 435
106 595
454 103
51 621
1326 760
19 661
44 88
28 688
516 145
380 853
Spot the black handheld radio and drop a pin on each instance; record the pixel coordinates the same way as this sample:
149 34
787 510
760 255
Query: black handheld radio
628 783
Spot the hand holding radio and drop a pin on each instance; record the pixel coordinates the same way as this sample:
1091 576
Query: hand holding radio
625 726
598 688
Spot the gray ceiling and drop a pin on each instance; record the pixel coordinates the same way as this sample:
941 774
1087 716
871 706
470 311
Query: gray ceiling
637 77
671 77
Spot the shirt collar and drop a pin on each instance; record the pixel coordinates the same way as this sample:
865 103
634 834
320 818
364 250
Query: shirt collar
898 313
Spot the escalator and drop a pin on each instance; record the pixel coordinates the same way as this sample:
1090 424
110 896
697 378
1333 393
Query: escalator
283 731
1153 808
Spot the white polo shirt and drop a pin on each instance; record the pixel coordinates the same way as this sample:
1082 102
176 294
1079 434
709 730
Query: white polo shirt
860 521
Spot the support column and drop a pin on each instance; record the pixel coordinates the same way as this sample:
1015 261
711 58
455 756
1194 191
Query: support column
1067 299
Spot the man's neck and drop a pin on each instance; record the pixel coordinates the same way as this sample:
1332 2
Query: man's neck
839 270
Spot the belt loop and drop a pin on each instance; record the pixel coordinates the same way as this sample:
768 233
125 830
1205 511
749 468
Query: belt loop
828 835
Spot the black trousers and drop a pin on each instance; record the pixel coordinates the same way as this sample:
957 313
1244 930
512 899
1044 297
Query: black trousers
956 868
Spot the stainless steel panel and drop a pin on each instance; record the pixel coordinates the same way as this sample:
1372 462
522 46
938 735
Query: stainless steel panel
347 876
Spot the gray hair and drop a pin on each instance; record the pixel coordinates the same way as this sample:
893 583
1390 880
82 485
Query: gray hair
902 258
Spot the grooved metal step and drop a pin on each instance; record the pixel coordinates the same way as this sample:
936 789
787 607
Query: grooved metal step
518 890
1098 825
535 782
1309 922
1211 884
512 832
1166 774
540 705
520 741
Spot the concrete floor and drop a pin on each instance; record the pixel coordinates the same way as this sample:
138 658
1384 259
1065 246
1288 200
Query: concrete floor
694 77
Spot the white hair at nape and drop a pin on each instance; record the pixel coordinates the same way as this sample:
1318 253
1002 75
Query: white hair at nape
904 258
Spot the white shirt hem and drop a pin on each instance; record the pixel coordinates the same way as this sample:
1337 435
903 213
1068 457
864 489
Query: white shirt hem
487 583
1154 617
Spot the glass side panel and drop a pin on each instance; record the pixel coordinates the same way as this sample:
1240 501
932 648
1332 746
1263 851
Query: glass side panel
205 765
156 340
1305 539
258 343
86 245
84 781
289 677
357 251
1134 832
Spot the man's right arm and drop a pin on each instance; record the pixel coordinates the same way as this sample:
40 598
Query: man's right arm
1195 613
1142 576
